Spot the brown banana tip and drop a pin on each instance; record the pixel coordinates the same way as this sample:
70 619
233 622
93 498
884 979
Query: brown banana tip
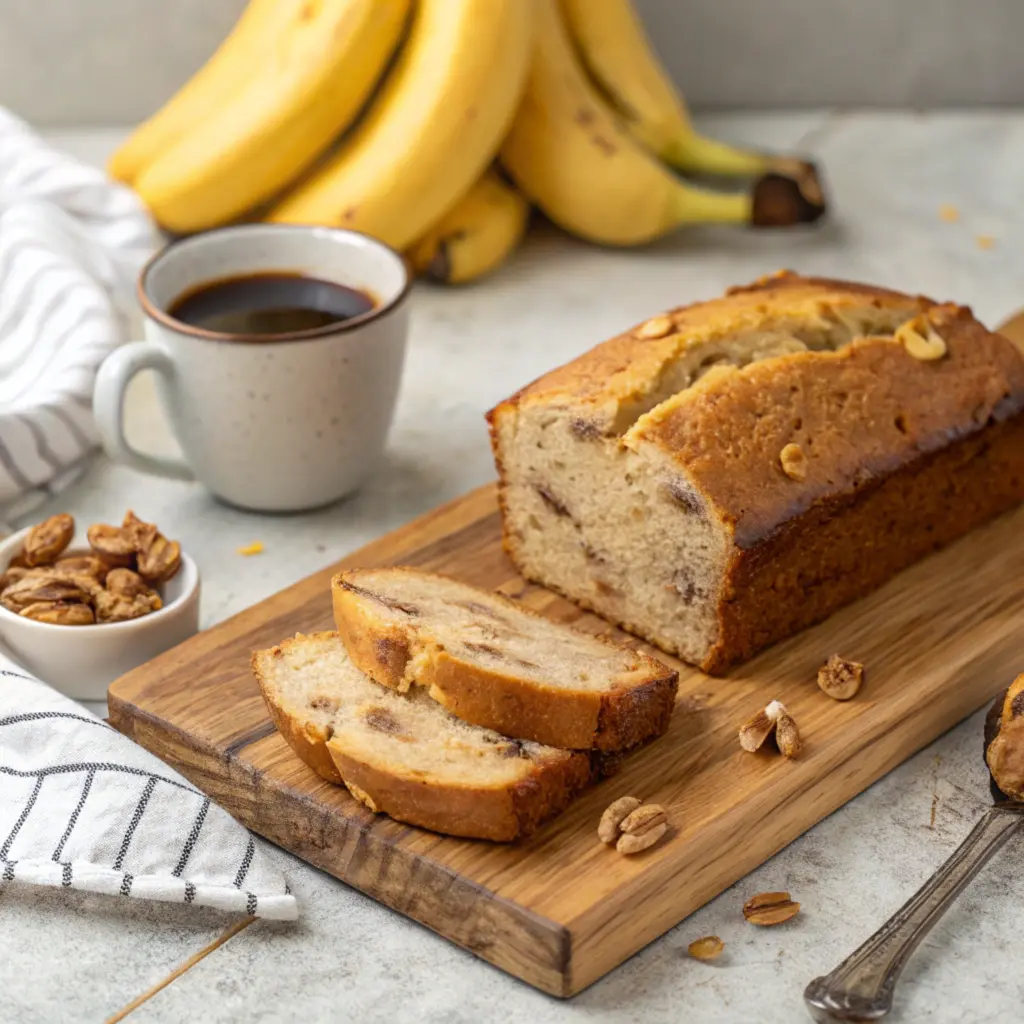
787 194
440 266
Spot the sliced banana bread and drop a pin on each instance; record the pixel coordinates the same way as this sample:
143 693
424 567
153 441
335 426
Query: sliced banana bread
495 664
730 472
403 754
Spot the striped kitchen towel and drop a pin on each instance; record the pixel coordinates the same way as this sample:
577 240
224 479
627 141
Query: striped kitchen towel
83 807
71 244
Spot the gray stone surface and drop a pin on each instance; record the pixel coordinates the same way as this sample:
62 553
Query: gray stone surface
75 956
350 959
115 61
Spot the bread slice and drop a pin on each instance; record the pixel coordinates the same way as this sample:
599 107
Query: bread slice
495 664
403 754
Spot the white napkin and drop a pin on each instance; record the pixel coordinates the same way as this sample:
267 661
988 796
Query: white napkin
83 807
71 244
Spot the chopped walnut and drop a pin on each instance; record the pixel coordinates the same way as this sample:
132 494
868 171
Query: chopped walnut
46 540
839 678
615 814
772 720
1004 734
114 544
642 828
60 613
112 607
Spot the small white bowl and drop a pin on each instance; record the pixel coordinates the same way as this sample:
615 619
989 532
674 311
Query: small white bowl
82 661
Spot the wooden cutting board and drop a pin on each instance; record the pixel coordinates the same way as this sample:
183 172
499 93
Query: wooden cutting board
560 910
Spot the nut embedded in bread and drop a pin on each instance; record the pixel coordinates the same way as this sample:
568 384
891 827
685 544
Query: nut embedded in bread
495 664
776 454
403 754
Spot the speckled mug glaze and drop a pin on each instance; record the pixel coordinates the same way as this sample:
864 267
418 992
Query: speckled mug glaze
274 422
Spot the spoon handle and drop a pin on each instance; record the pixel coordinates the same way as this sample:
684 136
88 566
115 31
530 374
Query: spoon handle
861 987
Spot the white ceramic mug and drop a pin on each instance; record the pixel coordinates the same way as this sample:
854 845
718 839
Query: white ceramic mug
269 422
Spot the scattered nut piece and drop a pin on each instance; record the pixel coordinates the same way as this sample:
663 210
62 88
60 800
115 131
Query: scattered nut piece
111 607
787 736
642 828
615 814
60 613
839 678
255 548
756 731
949 213
794 462
656 327
920 339
985 242
708 948
46 540
768 908
774 719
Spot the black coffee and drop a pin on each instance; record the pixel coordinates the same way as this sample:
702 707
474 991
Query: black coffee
272 303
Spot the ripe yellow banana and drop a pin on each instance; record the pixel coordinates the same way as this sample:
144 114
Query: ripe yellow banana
475 236
572 156
433 129
223 74
611 39
297 96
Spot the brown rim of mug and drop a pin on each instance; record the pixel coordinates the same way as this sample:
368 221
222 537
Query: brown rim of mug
154 312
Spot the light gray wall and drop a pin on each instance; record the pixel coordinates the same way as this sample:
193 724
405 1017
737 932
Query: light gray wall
114 61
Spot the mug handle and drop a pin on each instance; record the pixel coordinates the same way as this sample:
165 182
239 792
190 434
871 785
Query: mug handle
112 381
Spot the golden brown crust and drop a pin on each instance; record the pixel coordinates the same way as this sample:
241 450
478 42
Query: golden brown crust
308 740
512 705
857 414
816 563
498 814
617 371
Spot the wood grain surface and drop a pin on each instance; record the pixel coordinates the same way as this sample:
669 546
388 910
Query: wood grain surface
561 909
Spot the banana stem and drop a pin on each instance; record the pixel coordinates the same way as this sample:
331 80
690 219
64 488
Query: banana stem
697 206
695 154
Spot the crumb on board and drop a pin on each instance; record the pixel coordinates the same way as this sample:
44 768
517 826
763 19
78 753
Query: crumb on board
255 548
949 213
985 241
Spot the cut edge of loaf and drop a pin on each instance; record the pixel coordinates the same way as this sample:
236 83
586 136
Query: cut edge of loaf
501 812
625 715
307 738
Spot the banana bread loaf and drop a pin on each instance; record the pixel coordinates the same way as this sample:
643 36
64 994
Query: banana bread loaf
404 754
730 472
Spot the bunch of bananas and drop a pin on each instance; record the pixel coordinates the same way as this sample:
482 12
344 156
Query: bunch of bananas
435 125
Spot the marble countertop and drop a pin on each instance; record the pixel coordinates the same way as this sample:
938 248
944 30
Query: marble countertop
75 957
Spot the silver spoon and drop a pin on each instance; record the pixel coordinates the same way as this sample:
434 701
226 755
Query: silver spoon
861 988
